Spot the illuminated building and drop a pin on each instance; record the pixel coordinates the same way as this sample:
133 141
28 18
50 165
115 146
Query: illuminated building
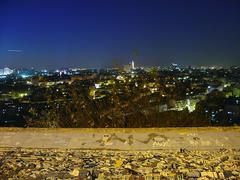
132 63
129 67
5 71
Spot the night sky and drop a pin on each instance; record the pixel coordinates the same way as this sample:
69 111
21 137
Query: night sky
105 33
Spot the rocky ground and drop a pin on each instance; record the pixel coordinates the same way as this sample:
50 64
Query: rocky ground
18 163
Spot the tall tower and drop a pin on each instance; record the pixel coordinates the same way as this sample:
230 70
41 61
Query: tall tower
132 63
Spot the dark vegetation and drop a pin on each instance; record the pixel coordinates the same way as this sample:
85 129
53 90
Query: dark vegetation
123 110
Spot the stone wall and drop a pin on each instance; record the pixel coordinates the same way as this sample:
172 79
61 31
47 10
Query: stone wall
207 138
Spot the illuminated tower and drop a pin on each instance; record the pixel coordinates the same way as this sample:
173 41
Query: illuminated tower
132 63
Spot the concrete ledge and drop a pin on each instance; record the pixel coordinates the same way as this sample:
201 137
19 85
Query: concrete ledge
203 138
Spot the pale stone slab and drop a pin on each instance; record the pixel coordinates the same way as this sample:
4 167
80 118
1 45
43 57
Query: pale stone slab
122 139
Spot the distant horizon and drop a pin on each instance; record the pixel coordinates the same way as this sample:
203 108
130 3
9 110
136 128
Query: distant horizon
119 66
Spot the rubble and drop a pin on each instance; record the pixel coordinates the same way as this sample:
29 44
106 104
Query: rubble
75 172
98 164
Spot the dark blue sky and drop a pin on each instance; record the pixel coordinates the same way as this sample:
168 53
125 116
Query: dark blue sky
100 33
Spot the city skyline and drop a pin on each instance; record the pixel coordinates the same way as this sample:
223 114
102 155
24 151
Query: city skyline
58 34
